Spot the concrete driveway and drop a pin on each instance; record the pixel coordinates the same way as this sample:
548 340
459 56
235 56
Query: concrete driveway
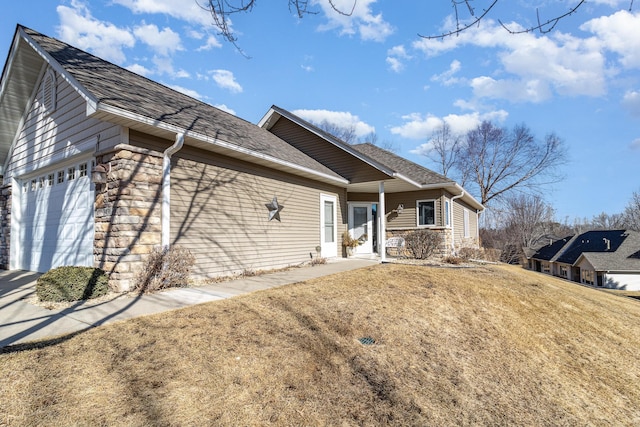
22 322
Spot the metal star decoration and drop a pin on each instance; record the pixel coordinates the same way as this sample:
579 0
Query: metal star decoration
274 209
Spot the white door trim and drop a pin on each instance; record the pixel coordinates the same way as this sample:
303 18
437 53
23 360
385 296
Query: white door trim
366 246
329 246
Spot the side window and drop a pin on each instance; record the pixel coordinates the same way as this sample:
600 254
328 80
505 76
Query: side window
60 177
447 215
426 212
71 173
82 170
467 232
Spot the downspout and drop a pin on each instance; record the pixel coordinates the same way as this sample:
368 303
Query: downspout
166 188
453 236
382 219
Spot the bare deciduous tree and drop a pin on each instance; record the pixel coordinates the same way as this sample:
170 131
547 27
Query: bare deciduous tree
466 14
529 218
443 150
497 161
632 212
342 132
606 221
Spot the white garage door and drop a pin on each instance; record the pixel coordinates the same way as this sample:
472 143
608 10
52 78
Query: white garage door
56 225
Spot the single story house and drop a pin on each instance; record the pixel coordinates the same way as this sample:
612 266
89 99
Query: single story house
100 165
601 258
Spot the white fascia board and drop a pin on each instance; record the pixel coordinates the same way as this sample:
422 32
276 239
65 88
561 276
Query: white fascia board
8 65
266 119
214 141
92 102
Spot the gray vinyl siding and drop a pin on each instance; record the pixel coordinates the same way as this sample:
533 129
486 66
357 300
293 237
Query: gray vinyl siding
326 153
409 216
458 221
57 135
218 212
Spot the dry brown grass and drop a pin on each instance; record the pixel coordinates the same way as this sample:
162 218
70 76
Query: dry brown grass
484 346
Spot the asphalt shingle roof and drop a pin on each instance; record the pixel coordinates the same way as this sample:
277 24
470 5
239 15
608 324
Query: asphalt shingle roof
117 87
623 259
547 252
593 241
411 170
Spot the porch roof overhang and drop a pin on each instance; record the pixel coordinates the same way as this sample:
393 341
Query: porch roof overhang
399 184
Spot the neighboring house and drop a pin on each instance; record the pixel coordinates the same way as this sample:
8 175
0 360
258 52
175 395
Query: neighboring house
601 258
101 165
541 259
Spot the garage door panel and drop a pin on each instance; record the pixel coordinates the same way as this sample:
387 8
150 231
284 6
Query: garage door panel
57 222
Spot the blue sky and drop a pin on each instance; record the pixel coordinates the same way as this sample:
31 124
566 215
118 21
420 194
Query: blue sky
374 72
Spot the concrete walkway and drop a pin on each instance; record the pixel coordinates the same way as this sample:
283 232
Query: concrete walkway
22 322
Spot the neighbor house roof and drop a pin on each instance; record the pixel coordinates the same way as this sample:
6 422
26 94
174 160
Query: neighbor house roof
603 241
548 251
624 259
115 94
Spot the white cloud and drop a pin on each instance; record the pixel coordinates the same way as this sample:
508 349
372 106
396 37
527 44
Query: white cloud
418 126
448 77
211 43
164 42
139 69
189 11
223 107
226 80
341 119
395 57
80 29
619 33
356 18
631 101
188 92
535 66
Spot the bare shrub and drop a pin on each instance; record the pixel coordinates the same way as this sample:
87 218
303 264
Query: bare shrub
318 261
454 260
165 268
422 244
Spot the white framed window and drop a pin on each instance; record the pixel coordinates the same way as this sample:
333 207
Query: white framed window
82 170
564 271
33 185
71 173
60 177
467 232
447 213
587 277
49 91
25 187
50 180
426 212
41 182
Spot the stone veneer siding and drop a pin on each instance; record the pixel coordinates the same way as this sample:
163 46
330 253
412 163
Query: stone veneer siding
128 213
5 226
444 249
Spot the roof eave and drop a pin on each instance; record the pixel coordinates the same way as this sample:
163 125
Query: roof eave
227 146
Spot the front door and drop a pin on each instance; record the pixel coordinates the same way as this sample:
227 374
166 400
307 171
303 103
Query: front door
361 226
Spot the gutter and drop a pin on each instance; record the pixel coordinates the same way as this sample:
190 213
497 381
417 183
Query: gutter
166 188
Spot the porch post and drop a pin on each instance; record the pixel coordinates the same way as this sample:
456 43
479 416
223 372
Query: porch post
382 238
